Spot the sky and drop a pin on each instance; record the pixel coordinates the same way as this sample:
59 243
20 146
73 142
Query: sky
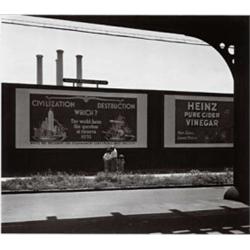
125 62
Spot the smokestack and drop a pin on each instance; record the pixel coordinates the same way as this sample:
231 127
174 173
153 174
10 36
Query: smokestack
79 68
59 68
57 76
39 69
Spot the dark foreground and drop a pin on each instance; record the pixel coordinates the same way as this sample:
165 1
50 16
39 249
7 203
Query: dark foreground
168 211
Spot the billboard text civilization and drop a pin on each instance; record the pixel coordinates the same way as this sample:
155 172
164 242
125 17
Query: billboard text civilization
63 119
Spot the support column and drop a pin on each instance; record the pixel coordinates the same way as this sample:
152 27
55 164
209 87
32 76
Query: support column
240 191
241 88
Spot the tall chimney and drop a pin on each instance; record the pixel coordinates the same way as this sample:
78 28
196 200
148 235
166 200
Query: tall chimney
57 76
39 69
79 68
59 68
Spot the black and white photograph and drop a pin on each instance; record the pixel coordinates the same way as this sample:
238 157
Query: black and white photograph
124 124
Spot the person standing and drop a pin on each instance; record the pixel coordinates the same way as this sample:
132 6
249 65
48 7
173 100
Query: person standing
120 163
113 155
107 160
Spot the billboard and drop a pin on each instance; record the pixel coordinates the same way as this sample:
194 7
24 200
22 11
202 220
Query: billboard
198 121
79 119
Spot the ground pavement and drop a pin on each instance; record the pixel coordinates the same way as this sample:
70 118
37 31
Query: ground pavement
171 211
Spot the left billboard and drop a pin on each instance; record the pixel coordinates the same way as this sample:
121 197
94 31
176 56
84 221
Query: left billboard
80 119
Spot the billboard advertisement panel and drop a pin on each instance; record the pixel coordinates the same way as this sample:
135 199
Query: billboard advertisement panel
59 118
198 121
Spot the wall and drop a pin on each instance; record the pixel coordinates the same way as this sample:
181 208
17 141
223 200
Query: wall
22 161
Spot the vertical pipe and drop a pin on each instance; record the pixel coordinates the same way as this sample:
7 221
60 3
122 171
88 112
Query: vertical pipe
59 79
39 69
79 68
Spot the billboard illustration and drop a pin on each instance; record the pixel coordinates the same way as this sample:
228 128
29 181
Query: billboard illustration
203 121
81 119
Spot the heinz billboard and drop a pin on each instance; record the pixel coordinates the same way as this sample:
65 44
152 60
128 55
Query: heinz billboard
198 121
